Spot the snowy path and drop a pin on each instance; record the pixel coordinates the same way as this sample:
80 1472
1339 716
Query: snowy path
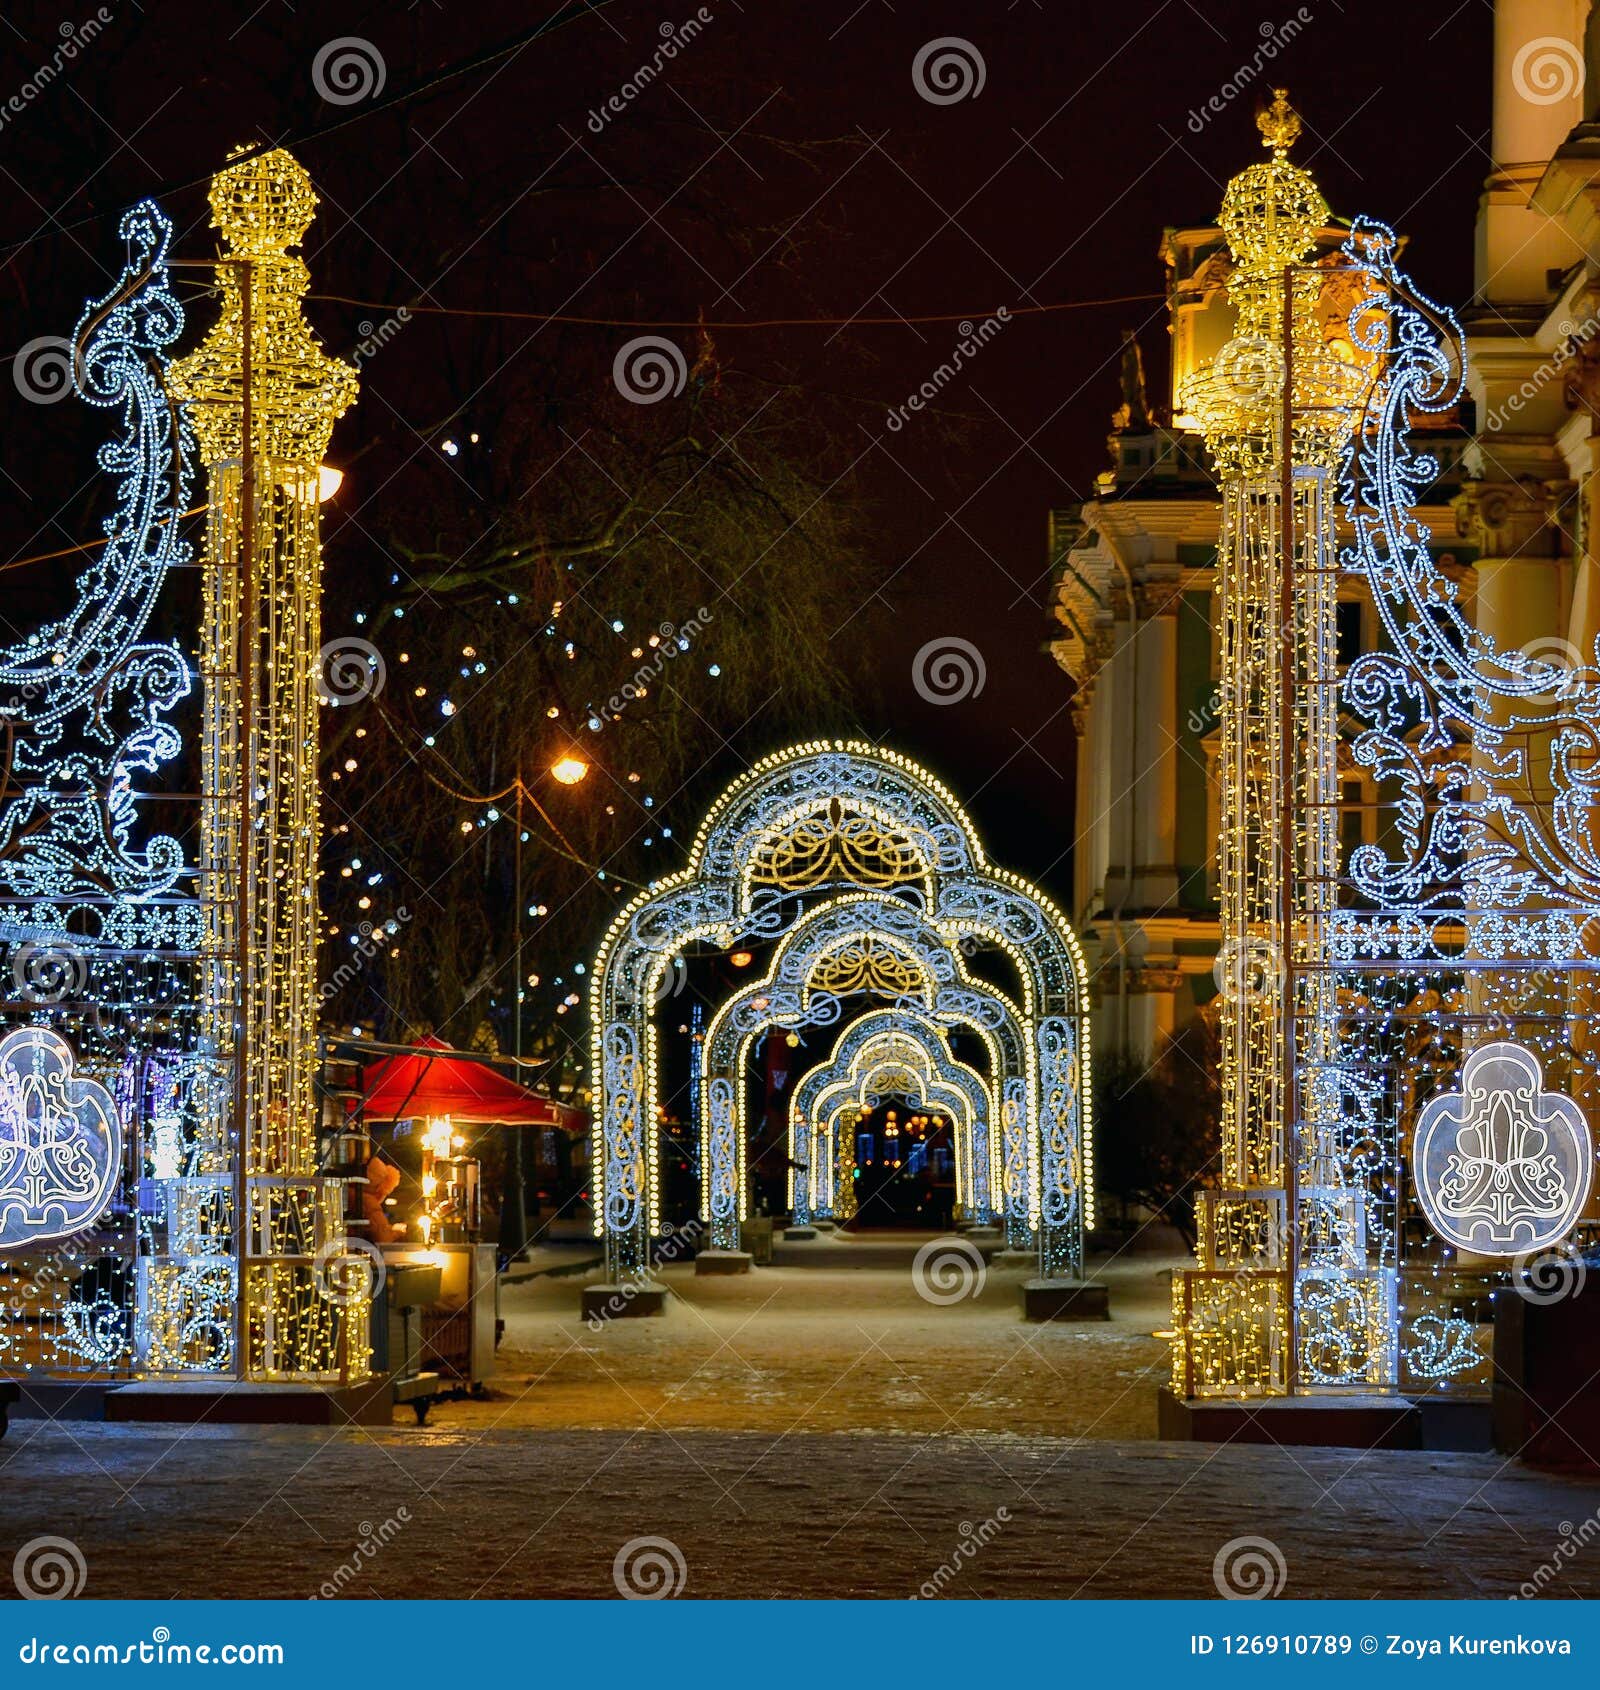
805 1431
219 1513
831 1349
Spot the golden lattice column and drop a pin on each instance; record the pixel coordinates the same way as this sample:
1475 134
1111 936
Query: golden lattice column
264 398
1276 407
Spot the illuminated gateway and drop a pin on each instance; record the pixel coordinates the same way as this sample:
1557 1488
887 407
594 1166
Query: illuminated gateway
1314 610
864 884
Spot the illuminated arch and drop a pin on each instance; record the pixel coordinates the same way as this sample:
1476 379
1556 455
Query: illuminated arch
857 1072
836 821
922 1091
977 1177
951 998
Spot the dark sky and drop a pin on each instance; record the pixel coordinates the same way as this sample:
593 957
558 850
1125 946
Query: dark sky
1051 184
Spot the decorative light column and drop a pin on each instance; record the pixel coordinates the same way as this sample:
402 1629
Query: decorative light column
264 397
1277 407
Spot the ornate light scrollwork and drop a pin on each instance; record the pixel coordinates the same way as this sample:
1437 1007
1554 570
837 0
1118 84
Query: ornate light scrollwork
868 964
836 846
85 698
723 1173
1058 1090
624 1129
1014 1153
1503 1166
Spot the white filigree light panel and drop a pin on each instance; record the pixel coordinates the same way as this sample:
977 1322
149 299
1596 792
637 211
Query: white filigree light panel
1503 1166
60 1141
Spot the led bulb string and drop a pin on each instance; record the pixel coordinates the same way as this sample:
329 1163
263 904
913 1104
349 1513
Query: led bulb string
730 323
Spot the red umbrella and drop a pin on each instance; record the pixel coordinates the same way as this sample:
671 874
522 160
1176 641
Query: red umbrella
432 1079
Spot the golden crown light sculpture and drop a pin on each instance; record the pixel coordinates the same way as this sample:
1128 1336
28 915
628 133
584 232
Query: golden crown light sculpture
1282 1266
264 398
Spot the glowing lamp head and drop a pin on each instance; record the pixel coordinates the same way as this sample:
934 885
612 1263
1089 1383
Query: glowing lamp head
329 481
740 959
569 770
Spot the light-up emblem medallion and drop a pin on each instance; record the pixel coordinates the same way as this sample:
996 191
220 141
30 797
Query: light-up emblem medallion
60 1141
1502 1166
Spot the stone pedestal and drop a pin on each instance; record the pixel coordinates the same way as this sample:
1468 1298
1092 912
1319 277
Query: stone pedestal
632 1300
1460 1423
1014 1259
825 1226
792 1232
1328 1422
233 1402
1065 1299
723 1261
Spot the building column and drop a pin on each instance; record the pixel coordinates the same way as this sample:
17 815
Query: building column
1152 1007
1155 826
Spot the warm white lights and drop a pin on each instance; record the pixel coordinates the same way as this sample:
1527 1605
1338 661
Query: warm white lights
260 833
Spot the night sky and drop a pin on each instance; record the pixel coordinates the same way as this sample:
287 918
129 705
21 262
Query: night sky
1050 185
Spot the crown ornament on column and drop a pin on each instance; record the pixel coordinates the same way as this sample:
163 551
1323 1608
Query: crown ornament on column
1272 214
263 205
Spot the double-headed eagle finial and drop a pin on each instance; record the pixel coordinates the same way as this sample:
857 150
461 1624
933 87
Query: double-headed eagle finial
1279 123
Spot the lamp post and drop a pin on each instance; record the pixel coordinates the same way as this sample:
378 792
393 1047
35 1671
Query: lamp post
1276 406
569 769
514 1200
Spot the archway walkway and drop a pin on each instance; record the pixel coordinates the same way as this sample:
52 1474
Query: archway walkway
859 886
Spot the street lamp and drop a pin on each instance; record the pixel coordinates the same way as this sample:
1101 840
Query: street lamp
568 770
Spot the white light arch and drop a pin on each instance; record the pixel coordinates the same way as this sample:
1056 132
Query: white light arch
856 1073
830 820
786 998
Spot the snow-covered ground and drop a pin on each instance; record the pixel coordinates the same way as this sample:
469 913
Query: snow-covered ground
826 1349
167 1513
813 1430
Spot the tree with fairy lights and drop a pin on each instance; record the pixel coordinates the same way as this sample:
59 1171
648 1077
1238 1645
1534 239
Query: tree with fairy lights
655 597
573 497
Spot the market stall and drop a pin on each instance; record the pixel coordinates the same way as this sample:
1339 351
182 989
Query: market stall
423 1200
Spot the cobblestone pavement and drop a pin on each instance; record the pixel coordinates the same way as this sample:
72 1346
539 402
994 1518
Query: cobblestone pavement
804 1431
163 1513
